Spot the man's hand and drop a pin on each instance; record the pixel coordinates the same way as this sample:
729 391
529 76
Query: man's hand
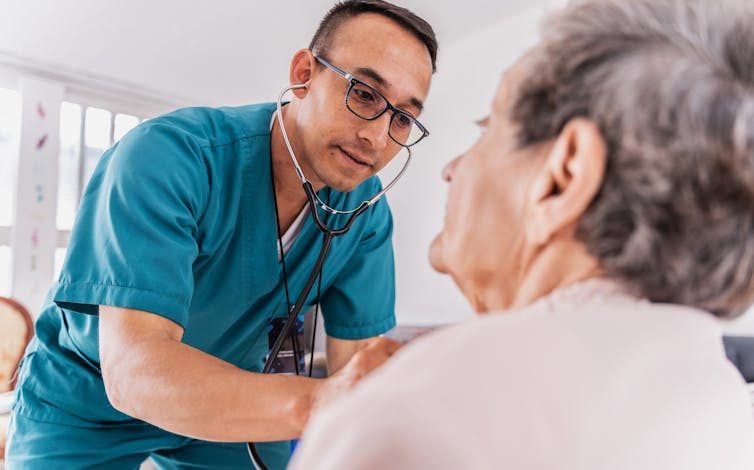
340 351
371 356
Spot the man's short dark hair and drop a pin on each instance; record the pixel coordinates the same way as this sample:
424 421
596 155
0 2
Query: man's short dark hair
345 10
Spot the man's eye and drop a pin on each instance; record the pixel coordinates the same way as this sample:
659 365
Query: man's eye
403 121
364 95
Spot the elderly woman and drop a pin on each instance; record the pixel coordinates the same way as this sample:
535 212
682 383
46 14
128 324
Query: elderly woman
612 192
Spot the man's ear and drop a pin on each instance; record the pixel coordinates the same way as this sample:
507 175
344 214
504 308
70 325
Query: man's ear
302 68
570 179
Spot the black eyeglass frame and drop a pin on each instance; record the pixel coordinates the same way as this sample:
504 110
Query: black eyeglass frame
352 81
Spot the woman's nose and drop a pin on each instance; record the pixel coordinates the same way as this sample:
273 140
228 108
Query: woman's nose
449 169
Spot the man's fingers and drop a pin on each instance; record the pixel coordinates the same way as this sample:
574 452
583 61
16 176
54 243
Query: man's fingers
373 355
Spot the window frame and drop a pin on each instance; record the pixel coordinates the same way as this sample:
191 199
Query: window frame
88 91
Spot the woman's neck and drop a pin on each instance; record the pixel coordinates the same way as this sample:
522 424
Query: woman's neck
560 263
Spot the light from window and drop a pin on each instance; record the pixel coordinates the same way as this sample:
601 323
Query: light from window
97 138
5 271
10 131
68 169
97 128
59 259
123 124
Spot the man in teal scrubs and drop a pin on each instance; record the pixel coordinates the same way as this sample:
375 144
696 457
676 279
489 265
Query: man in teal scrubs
152 339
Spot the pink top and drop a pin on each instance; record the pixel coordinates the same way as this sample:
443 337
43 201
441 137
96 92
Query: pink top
586 378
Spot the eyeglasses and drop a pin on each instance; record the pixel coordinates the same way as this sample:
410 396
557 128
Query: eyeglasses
369 104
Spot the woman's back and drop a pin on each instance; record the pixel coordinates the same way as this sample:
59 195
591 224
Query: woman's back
585 378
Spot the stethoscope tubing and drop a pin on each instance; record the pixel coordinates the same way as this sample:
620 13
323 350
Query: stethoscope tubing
329 233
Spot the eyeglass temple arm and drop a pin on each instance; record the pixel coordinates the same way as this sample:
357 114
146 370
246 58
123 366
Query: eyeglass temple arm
334 68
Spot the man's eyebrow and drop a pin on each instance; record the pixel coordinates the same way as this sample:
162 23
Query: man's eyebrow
372 74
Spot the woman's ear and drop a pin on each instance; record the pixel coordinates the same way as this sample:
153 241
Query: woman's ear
570 179
302 67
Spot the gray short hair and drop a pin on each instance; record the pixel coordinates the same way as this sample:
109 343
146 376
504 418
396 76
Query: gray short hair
670 83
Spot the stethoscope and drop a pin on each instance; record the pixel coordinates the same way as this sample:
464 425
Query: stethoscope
329 233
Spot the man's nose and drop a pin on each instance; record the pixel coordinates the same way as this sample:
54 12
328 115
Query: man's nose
376 132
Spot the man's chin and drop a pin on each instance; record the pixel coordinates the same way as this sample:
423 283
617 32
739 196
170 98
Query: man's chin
436 258
345 185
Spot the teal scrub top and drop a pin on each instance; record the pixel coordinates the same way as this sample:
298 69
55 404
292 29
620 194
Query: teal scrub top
178 220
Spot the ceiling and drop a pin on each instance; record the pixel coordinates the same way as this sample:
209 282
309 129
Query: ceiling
209 52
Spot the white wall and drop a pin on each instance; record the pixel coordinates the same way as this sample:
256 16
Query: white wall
468 73
211 53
